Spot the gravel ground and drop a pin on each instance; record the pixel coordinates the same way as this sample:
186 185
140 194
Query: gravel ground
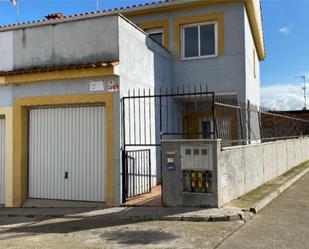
96 232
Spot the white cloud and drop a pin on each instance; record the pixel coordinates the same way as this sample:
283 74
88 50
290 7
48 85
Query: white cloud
283 96
285 30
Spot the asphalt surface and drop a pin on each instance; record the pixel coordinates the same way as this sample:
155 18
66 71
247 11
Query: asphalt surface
282 224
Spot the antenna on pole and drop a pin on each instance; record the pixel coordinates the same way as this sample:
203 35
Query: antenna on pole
305 90
16 4
17 11
98 5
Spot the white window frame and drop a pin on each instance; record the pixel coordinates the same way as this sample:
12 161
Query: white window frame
199 40
155 32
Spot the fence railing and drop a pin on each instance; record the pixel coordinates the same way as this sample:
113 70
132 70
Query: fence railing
137 173
194 113
244 123
177 113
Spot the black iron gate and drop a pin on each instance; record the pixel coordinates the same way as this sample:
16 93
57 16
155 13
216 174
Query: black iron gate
150 116
137 173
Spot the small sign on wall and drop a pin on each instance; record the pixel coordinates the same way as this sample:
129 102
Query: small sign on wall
96 86
113 86
171 166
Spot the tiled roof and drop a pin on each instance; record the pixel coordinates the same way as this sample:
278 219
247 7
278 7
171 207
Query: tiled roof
58 68
95 13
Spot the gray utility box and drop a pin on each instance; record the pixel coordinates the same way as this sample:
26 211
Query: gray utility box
189 173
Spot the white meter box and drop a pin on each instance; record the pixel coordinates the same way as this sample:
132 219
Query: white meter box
196 157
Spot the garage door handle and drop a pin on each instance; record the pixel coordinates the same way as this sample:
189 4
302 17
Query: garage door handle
66 175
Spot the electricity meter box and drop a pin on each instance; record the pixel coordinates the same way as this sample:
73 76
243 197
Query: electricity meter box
189 173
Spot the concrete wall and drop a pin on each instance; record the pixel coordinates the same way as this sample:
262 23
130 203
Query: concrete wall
82 42
252 69
222 74
144 65
236 170
244 168
173 194
5 96
6 51
58 87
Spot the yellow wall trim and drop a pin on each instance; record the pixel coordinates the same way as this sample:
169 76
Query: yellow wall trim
250 8
217 17
58 75
164 24
20 138
257 36
8 167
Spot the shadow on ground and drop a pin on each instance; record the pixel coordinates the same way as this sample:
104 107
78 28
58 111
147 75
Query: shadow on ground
138 237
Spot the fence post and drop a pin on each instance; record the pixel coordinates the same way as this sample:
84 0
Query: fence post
150 173
124 177
241 126
214 118
249 121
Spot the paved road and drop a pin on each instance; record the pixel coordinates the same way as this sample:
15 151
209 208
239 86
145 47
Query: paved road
282 224
16 233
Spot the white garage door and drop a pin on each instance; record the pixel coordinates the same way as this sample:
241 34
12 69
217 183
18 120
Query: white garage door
2 152
67 153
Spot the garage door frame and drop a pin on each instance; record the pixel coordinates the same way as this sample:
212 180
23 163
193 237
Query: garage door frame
6 113
20 137
54 133
2 160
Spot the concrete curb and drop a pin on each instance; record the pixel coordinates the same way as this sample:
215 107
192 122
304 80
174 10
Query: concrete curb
192 218
264 202
167 215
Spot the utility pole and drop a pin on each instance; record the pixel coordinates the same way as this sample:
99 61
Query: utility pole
16 5
98 5
17 11
305 90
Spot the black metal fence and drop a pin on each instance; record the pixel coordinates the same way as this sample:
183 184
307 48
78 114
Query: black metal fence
150 116
137 173
244 123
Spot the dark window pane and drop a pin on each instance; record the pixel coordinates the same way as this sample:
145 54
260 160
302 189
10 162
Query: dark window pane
191 42
206 129
208 39
158 37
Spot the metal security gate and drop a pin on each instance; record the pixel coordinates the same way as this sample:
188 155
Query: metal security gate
2 159
149 116
137 173
67 153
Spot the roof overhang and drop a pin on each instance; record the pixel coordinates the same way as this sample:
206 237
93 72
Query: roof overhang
59 73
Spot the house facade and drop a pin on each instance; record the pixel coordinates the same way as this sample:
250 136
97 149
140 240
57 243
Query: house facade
62 81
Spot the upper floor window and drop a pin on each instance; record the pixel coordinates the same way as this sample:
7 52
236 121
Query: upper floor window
199 40
156 34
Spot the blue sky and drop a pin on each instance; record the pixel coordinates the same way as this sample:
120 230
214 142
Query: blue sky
286 31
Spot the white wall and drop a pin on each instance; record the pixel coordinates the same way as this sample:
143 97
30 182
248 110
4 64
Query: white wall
222 74
144 64
6 51
252 79
242 169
